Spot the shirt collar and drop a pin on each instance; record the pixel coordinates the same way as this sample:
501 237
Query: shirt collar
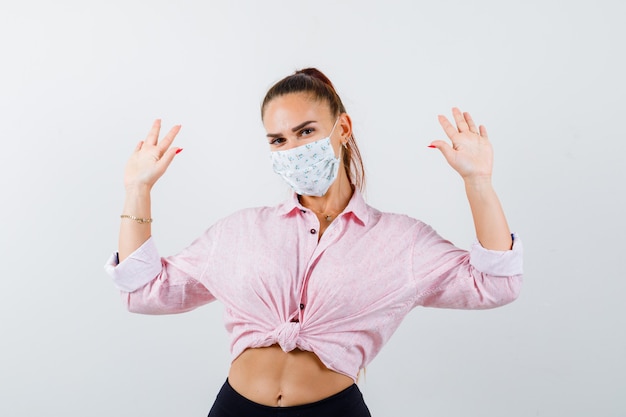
356 206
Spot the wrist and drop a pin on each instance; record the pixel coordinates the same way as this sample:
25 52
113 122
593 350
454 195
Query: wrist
137 189
478 182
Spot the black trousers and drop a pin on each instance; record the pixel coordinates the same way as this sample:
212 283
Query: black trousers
347 403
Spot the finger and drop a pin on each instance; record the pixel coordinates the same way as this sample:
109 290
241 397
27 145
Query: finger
483 132
153 135
167 158
470 122
448 127
166 142
460 120
138 147
445 148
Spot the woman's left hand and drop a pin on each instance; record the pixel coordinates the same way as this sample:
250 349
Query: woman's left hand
470 153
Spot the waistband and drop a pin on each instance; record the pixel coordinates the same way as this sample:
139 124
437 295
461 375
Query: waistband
346 403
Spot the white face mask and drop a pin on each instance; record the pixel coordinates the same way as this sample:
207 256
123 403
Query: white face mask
309 169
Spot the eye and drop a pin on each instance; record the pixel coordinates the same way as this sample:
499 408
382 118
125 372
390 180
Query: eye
277 141
307 131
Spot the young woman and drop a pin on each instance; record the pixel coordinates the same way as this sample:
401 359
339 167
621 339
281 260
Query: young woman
315 286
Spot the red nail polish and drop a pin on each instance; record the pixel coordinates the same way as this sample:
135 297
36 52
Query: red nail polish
432 146
179 150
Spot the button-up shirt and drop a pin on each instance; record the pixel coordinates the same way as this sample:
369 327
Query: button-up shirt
341 296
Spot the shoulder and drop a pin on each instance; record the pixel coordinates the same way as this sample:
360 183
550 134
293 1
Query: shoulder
259 217
248 215
399 220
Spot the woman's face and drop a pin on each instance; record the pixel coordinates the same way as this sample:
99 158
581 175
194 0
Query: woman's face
296 119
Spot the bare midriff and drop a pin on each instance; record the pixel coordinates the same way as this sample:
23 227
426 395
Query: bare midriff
272 377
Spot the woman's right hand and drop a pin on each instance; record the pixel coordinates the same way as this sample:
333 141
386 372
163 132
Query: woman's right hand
150 158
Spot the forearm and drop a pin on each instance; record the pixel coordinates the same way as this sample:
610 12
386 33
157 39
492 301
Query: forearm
490 222
132 233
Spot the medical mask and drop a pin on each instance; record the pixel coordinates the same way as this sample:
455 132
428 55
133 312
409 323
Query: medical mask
309 169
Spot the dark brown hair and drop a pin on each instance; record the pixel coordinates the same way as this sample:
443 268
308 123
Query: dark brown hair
315 83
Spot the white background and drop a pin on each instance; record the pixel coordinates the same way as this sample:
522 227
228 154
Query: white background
81 82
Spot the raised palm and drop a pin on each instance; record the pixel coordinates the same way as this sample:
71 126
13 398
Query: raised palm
470 153
151 157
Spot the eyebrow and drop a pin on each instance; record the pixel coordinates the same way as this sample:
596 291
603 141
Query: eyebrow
293 129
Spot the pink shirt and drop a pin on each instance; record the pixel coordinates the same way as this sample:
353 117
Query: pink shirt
341 297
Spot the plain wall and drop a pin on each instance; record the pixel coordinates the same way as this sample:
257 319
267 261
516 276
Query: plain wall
81 82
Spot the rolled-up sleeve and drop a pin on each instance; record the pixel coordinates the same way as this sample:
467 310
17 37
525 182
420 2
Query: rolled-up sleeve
499 263
150 284
141 267
449 277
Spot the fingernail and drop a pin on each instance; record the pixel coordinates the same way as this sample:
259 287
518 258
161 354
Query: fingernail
179 150
432 146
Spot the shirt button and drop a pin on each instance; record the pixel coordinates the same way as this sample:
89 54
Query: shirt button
313 231
301 306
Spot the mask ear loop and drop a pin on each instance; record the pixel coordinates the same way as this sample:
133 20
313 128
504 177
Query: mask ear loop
333 129
344 144
331 133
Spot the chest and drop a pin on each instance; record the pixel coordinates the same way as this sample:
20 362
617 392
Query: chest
291 270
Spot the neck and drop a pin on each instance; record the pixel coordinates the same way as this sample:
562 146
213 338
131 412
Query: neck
334 201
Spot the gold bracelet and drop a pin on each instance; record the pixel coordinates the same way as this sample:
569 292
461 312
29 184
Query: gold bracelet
137 219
